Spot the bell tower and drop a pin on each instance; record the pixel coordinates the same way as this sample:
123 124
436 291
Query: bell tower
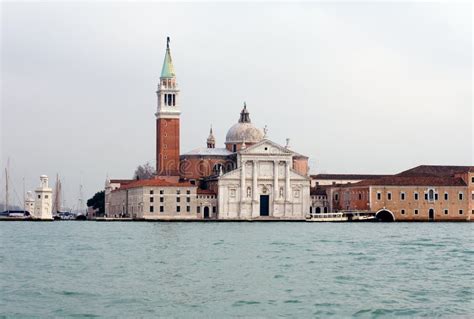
167 119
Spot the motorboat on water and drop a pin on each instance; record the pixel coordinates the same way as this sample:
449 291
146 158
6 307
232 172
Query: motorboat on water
342 216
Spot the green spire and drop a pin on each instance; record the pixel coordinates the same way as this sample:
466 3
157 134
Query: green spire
168 70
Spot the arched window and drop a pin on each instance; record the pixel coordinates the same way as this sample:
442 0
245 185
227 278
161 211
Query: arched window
431 195
217 168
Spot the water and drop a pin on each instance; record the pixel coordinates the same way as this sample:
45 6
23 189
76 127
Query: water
88 269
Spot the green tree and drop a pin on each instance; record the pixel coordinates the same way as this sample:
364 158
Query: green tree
98 202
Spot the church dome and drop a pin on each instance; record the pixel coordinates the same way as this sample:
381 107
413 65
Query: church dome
244 131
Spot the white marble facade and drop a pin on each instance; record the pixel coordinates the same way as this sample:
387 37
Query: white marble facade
264 173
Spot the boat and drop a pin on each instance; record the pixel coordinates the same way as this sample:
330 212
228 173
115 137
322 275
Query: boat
327 217
15 214
341 216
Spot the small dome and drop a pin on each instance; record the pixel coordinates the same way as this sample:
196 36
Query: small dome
244 131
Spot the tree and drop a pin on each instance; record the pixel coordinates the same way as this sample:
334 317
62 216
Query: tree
98 202
145 171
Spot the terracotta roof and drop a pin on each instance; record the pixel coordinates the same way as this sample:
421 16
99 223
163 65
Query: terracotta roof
317 191
156 182
411 181
205 192
121 181
347 176
204 151
435 170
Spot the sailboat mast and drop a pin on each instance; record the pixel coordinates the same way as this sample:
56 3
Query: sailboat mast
59 195
6 189
24 195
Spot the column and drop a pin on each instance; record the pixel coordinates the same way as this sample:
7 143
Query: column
276 189
287 181
254 181
243 191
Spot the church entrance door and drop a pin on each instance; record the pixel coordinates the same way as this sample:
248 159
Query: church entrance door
264 205
206 212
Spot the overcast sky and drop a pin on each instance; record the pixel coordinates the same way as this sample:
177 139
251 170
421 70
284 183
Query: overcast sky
359 88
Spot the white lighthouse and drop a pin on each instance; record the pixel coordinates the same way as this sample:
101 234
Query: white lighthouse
43 200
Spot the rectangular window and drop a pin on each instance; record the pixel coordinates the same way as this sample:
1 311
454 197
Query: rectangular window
426 196
161 192
188 209
178 208
403 212
232 193
178 192
402 196
446 212
446 196
460 212
416 211
151 199
360 196
379 196
188 199
198 209
436 196
416 196
472 179
162 209
151 209
178 199
460 196
151 192
188 192
472 212
336 197
472 195
389 196
213 209
39 196
162 199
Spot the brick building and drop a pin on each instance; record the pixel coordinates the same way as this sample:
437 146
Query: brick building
423 193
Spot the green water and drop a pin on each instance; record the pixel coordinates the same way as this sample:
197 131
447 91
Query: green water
299 270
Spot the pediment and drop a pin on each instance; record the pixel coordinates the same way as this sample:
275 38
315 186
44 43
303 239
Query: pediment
266 147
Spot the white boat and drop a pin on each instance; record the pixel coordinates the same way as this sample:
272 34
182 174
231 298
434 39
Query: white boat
341 217
327 217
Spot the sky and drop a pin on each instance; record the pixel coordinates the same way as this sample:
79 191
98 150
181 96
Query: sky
358 87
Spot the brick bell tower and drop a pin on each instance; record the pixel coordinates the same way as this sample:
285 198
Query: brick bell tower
167 120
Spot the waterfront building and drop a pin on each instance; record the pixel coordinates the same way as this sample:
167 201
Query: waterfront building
153 199
251 177
265 183
319 200
423 193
